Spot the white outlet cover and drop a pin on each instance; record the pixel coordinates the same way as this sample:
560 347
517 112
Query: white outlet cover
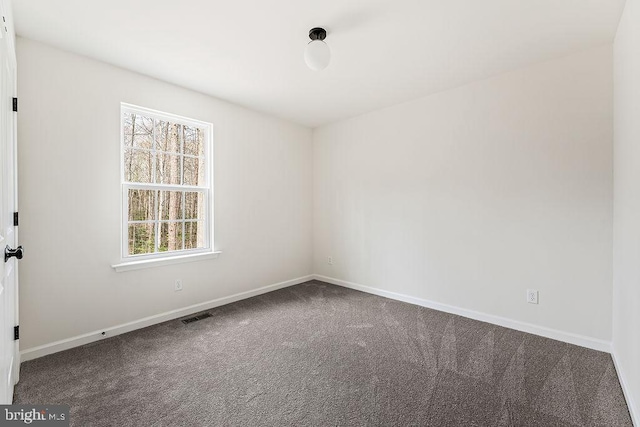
532 296
178 286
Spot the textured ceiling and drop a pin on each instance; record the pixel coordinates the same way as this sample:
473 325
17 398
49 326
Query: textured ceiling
383 52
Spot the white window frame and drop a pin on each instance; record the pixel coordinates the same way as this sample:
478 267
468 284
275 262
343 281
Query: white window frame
130 262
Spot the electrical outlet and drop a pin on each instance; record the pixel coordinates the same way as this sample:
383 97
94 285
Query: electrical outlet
178 286
330 260
532 296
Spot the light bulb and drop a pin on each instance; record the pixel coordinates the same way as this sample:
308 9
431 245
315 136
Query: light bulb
317 55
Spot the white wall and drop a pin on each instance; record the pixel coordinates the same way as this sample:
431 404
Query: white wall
470 196
69 172
626 206
467 197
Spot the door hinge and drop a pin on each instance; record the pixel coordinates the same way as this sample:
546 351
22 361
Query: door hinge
15 104
15 219
16 332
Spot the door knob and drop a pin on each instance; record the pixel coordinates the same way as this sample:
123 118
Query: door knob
8 253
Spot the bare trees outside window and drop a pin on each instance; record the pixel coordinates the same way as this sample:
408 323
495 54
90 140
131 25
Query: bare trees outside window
166 186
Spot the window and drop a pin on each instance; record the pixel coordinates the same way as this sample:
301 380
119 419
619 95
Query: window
166 184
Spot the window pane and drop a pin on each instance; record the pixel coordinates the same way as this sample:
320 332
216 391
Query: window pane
141 205
170 236
142 238
170 203
161 157
138 131
168 136
194 235
193 141
137 166
168 169
193 171
194 205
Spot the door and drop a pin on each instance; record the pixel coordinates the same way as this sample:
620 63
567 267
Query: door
9 356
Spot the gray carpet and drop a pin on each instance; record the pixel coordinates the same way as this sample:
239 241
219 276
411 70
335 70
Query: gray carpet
318 354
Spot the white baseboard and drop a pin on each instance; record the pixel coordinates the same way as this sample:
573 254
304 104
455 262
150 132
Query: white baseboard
633 411
54 347
43 350
530 328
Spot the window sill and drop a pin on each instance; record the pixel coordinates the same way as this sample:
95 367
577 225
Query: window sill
157 262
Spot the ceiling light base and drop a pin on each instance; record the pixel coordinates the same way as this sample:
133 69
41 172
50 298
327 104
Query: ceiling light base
317 33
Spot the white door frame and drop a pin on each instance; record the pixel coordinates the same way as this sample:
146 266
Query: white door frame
8 39
12 35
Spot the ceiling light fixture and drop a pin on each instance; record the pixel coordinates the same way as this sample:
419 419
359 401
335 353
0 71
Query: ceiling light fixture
317 54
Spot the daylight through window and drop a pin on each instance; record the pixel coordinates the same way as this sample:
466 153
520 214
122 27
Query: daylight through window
166 183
